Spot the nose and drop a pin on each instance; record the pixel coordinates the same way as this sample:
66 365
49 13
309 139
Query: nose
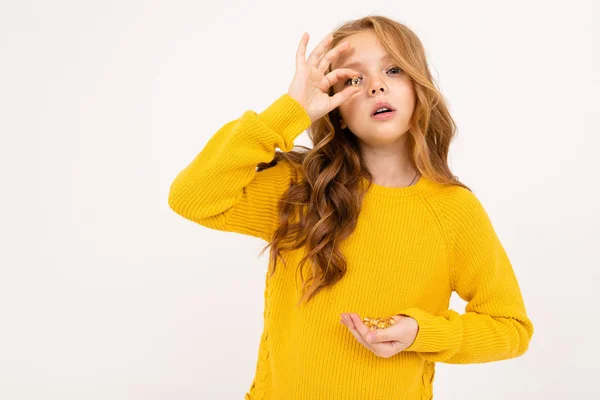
377 87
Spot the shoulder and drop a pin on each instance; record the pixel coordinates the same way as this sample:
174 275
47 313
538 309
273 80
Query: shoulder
457 205
452 195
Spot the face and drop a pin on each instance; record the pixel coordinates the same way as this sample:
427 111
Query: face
380 79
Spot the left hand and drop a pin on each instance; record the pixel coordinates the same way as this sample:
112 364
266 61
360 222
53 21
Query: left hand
385 342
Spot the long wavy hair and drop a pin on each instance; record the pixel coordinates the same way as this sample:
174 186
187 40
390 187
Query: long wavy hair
321 210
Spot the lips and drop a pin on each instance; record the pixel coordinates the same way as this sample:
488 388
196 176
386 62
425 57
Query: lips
381 104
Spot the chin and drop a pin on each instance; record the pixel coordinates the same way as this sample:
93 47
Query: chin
388 132
380 139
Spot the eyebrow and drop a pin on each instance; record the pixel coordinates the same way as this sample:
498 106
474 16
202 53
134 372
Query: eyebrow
359 64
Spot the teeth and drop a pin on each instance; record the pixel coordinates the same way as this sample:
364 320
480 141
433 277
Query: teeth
382 109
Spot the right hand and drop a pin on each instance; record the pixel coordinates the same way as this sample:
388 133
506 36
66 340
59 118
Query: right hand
310 86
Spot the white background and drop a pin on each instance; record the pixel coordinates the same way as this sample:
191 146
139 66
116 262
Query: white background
106 293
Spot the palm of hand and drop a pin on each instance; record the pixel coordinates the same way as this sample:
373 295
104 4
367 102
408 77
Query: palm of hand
386 342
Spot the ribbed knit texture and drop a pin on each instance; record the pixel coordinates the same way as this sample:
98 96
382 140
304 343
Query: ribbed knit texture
411 248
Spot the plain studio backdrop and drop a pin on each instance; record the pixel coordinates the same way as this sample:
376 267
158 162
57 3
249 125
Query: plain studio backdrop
106 293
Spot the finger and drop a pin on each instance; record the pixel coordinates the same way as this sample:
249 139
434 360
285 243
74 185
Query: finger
385 349
301 51
319 50
338 74
328 58
362 329
383 335
381 348
346 92
366 333
350 324
360 326
389 334
343 96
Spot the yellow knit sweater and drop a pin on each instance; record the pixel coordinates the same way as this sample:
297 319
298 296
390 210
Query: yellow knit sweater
411 248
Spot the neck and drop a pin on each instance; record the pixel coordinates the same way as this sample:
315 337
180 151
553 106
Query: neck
390 165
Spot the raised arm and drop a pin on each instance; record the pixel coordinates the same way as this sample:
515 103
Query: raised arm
220 188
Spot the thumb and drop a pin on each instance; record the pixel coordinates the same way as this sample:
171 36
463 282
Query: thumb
382 335
344 95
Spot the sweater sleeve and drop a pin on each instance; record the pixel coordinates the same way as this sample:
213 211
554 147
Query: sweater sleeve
495 325
222 190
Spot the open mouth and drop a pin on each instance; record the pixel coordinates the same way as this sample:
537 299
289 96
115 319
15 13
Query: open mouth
387 110
384 115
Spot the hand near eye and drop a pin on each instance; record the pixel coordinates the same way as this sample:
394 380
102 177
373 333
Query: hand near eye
385 342
310 84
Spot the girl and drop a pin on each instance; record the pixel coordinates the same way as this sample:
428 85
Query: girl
369 223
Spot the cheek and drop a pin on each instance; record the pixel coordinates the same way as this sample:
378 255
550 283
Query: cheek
407 97
348 109
410 92
410 100
342 111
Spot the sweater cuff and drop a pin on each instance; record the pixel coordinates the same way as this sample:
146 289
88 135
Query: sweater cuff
288 118
436 333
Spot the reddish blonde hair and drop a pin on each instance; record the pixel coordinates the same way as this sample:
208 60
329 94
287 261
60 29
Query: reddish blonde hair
322 209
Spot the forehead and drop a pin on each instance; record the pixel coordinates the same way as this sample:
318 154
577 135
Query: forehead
365 48
356 61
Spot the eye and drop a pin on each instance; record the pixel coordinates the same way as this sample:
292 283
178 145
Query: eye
396 69
350 80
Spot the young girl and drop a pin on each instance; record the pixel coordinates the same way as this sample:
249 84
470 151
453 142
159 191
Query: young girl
369 223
